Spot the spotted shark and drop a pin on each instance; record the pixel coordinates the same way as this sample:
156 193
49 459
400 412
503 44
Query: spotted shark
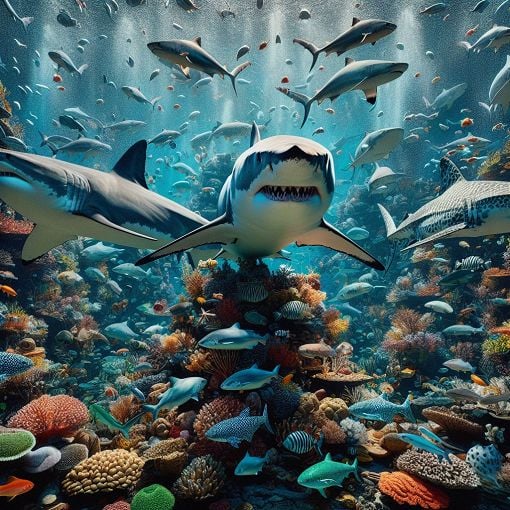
65 200
463 209
277 194
381 409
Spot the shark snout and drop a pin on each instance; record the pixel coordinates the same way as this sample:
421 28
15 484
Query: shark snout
399 67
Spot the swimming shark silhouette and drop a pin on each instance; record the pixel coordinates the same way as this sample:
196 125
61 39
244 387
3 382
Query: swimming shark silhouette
463 209
65 200
277 194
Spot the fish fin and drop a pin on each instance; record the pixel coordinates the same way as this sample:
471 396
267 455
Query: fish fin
355 21
153 409
438 235
255 134
328 456
185 71
217 231
254 365
82 68
276 370
266 420
371 95
408 412
322 493
314 50
174 380
99 218
197 40
131 165
41 240
245 412
125 427
26 21
450 174
234 441
355 468
236 71
236 325
328 236
349 60
299 98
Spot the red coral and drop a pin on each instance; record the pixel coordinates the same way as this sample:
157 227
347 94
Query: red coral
118 505
51 416
10 225
282 355
227 312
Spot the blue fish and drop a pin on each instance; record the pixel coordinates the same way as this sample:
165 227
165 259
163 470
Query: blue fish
381 409
424 444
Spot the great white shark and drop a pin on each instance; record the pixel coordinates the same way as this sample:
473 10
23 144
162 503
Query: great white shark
277 194
65 200
463 209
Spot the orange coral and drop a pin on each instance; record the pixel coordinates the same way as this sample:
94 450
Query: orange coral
335 325
10 225
124 408
311 296
194 282
407 489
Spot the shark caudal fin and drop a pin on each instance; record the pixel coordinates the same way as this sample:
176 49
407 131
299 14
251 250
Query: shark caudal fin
153 409
82 68
26 21
266 420
236 71
311 48
299 98
388 221
126 427
154 101
355 469
407 411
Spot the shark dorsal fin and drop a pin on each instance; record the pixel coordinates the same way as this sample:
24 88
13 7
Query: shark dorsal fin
245 412
236 325
254 365
355 21
131 165
450 174
255 134
349 60
198 40
328 456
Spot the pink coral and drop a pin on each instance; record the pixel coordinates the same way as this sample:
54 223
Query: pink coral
51 416
118 505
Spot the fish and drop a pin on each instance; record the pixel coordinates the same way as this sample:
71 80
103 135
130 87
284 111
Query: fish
238 429
434 8
66 20
166 136
25 21
120 331
12 364
249 379
439 306
125 125
317 350
447 97
486 462
15 486
81 146
103 416
249 466
64 61
494 38
99 251
233 338
93 203
381 409
137 273
473 263
463 209
364 75
189 54
383 176
462 330
423 443
179 393
327 473
456 278
138 96
459 365
230 130
377 145
353 290
480 6
478 380
302 442
361 32
274 178
8 290
499 92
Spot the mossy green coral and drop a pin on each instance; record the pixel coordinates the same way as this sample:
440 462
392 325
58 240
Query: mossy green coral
498 345
153 497
15 444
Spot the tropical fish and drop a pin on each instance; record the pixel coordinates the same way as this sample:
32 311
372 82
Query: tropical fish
317 350
381 409
13 364
459 365
14 487
249 466
302 442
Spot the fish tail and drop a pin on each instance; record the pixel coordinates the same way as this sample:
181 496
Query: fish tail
355 469
311 48
427 102
154 100
299 98
408 412
465 45
44 139
266 420
236 71
82 68
125 428
153 409
26 21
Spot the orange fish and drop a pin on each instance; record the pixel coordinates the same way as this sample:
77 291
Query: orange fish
435 79
501 330
263 45
478 380
121 351
285 79
288 378
61 88
8 290
471 31
57 78
15 486
466 122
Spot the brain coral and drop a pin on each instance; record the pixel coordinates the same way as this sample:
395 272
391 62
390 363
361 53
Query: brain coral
153 497
51 416
15 443
104 472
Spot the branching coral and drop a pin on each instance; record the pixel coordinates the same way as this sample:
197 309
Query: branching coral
194 281
453 424
124 408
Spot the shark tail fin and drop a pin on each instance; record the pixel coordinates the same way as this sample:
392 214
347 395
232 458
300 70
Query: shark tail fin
154 100
388 221
82 68
426 101
53 148
236 71
319 443
355 469
311 48
153 409
299 98
408 412
126 427
44 139
465 45
276 370
26 21
266 420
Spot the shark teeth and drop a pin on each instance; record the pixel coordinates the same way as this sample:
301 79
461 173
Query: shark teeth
289 193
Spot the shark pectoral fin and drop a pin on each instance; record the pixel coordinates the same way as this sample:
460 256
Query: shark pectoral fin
328 236
217 231
42 240
438 235
371 95
105 222
185 71
322 493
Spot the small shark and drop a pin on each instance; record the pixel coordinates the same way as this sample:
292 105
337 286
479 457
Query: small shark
463 209
99 252
179 393
65 200
63 61
446 98
238 429
495 37
499 93
423 443
120 331
278 192
24 21
137 95
232 339
100 414
381 409
249 466
377 145
249 379
327 473
367 31
469 140
190 54
364 75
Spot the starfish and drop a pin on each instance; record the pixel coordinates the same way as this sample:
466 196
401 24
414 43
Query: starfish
205 316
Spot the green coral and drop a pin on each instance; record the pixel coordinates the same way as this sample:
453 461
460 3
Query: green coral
15 444
498 345
153 497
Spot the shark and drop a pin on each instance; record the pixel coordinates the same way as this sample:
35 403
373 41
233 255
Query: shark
499 92
102 415
66 200
377 145
463 209
278 192
364 75
381 409
16 17
361 32
446 98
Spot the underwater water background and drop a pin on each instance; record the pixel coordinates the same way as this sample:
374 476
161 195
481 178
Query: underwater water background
344 386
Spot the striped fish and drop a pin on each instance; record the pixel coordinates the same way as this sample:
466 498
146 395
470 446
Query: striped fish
302 442
294 311
473 263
